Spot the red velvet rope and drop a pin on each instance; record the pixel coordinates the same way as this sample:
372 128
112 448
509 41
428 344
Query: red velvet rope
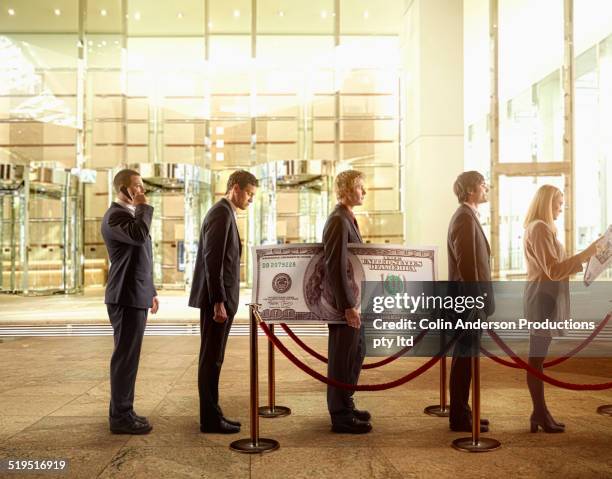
377 364
351 387
554 362
580 347
541 375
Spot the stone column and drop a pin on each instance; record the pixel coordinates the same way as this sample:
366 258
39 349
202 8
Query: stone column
432 61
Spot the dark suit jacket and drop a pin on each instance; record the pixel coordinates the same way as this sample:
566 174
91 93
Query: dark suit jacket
216 276
127 239
339 231
469 255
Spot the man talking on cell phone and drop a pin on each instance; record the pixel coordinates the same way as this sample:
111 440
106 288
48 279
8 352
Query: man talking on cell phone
129 294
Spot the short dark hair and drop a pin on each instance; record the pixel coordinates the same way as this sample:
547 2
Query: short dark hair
466 183
242 178
123 178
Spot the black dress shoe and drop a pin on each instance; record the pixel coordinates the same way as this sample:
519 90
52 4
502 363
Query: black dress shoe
232 422
467 427
129 425
362 415
220 426
138 418
352 426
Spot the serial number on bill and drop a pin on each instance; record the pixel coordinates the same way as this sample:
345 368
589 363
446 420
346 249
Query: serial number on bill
278 264
27 465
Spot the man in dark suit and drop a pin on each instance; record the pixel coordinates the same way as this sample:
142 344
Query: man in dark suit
129 294
346 343
468 264
215 290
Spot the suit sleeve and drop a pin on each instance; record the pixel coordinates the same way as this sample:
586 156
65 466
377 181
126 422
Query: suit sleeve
133 230
335 250
545 254
215 233
464 245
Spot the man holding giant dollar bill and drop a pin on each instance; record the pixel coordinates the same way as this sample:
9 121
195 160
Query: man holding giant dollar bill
346 345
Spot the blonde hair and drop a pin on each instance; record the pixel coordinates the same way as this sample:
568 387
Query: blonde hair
541 207
345 181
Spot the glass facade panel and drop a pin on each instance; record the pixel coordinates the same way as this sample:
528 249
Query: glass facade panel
530 94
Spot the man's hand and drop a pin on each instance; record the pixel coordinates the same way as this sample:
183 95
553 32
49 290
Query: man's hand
220 314
139 199
155 306
353 319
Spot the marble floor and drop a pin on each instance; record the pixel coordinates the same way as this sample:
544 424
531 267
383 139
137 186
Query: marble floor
88 308
54 397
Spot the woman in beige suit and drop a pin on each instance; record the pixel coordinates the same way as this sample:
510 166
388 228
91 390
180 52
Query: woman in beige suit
547 290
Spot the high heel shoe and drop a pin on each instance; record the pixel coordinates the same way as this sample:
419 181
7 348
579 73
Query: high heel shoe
552 419
546 423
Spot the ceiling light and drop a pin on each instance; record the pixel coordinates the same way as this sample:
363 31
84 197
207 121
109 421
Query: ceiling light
179 15
210 24
103 12
137 16
366 14
281 13
90 42
57 12
236 13
104 43
323 13
11 12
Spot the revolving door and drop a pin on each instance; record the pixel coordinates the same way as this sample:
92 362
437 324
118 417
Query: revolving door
40 230
295 201
181 195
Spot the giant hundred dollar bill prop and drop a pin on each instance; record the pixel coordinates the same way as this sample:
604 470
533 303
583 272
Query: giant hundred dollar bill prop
290 285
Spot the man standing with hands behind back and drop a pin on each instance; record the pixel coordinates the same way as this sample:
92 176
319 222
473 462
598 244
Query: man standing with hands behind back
346 343
468 262
129 294
215 290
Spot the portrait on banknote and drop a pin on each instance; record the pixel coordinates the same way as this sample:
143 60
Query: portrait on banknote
318 292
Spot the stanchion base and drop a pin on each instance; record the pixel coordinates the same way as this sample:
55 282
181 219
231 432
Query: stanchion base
605 410
276 411
246 446
437 411
485 444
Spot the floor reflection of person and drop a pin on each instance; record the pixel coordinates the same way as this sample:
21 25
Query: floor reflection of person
346 343
547 290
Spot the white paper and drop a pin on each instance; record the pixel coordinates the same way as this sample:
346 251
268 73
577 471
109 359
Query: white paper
601 260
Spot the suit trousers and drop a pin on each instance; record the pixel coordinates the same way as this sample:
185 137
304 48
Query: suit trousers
346 351
213 339
128 330
460 412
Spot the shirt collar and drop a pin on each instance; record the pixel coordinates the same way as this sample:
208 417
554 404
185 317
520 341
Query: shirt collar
234 209
130 208
476 212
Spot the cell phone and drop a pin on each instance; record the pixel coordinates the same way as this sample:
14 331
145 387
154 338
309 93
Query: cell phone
125 191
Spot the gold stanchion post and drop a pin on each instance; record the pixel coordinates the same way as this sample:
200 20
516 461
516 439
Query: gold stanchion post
605 410
272 410
254 444
441 409
476 443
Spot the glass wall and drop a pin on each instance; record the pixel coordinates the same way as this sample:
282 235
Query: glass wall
219 85
532 112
